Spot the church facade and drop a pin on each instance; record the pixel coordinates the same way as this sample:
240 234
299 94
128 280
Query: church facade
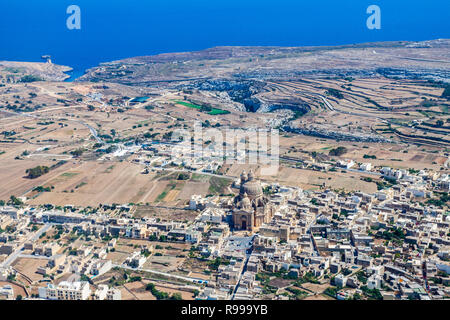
251 207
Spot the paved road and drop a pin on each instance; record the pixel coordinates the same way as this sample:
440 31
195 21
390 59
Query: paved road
327 103
31 256
93 132
13 256
49 155
365 172
241 243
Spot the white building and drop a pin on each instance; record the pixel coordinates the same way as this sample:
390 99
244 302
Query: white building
112 243
340 280
417 192
101 267
136 260
66 291
348 164
4 273
374 282
11 211
377 270
392 174
444 182
195 202
113 294
193 236
6 293
366 166
212 215
105 293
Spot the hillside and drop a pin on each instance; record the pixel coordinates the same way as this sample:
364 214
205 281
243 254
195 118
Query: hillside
427 60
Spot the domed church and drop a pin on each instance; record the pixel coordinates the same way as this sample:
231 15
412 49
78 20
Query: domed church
251 207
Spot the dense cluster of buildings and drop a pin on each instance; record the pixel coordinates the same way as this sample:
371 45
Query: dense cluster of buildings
391 244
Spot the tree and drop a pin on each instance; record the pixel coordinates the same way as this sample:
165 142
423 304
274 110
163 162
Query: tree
29 78
158 294
176 296
183 176
335 93
85 278
338 151
36 172
356 296
135 279
440 123
77 152
331 291
15 201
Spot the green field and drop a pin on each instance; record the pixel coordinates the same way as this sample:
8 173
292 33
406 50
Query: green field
161 196
70 174
218 185
189 105
169 188
213 112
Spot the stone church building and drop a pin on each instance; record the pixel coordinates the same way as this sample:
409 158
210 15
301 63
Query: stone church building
251 207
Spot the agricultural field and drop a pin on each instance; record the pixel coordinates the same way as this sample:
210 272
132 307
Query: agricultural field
84 131
28 267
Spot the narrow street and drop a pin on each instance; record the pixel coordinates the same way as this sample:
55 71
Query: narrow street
33 237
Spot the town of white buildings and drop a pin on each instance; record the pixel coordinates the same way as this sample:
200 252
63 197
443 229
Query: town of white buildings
392 244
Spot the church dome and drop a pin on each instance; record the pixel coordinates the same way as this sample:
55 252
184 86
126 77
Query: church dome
252 188
245 202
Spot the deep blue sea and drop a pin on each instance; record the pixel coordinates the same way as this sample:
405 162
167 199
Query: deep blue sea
118 29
